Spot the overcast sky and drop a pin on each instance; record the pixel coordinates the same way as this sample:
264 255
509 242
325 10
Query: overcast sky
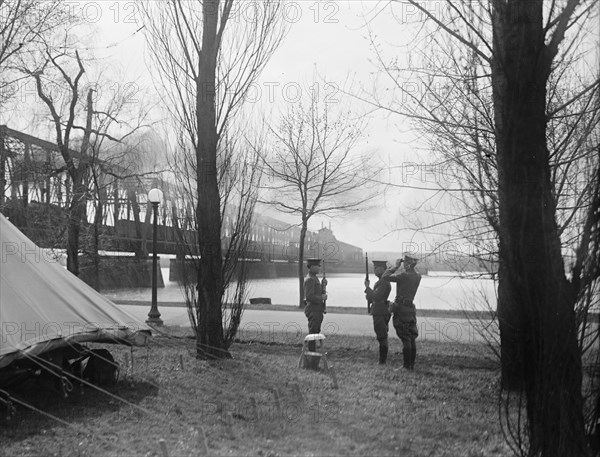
328 40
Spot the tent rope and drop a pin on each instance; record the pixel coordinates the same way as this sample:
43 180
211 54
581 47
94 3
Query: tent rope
78 428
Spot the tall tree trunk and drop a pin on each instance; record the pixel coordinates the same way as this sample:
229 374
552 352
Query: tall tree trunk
140 248
77 213
102 197
529 241
210 341
116 207
145 229
512 334
303 231
2 165
26 175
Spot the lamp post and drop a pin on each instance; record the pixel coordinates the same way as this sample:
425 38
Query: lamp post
154 197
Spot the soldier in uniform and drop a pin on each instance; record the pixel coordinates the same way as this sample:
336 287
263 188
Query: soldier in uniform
378 297
403 308
314 299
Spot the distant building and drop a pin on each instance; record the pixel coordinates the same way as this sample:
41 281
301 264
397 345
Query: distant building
279 240
336 251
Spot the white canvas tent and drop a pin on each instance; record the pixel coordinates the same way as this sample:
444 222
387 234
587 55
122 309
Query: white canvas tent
43 306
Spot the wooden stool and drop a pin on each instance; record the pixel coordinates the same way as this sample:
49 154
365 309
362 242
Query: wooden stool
311 359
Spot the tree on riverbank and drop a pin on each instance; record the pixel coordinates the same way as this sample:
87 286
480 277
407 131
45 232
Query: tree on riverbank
313 167
207 59
525 158
95 118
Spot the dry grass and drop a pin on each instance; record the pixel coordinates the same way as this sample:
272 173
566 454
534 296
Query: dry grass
260 404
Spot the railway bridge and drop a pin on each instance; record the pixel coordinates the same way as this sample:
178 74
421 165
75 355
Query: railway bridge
35 190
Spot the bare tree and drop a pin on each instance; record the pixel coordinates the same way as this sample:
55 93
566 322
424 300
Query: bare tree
314 167
24 24
525 159
67 118
239 176
206 63
450 97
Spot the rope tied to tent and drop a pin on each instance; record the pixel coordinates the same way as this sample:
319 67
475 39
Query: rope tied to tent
44 364
77 428
67 386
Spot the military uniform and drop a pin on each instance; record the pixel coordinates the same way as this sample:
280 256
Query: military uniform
315 307
378 297
403 308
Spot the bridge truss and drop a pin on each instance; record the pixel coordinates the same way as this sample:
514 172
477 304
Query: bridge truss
35 191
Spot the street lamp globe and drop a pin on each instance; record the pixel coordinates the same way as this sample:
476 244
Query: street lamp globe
155 196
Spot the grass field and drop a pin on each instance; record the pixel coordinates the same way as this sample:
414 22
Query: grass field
260 404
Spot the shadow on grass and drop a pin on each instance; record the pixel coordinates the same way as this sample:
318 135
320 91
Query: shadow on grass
80 406
459 362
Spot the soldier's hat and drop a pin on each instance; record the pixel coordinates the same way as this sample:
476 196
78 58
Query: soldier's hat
380 263
311 262
408 260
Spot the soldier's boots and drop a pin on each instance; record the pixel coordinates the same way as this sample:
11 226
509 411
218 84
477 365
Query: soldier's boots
383 352
413 354
406 355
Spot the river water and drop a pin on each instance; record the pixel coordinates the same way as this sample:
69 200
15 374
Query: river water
442 291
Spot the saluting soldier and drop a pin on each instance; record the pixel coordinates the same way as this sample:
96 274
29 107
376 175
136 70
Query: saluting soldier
315 299
378 297
403 308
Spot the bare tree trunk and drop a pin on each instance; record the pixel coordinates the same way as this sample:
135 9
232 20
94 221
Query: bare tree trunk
529 240
77 213
2 165
303 231
141 250
512 334
145 229
210 341
26 174
181 38
99 216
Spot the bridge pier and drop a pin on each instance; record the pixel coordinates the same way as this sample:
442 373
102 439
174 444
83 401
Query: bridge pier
256 269
119 272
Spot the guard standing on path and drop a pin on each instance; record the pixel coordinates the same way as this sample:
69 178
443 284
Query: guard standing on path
403 308
378 297
315 299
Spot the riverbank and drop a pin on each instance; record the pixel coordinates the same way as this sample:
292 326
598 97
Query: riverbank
259 403
345 291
